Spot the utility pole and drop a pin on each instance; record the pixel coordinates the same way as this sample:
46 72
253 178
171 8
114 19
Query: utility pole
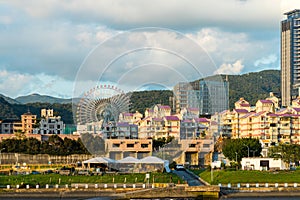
1 155
248 149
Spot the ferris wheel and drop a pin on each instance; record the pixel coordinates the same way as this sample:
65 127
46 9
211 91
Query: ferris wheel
101 103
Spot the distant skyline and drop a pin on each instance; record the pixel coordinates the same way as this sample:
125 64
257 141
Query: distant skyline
44 43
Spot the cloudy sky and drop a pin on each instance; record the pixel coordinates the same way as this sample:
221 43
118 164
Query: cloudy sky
52 46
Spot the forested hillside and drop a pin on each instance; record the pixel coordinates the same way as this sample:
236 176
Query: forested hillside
139 101
251 86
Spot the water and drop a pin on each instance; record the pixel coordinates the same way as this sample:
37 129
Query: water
109 198
262 198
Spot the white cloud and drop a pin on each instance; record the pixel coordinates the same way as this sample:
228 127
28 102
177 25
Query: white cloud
227 68
267 60
14 84
168 13
53 37
6 20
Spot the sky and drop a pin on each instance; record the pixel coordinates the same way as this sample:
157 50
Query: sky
63 48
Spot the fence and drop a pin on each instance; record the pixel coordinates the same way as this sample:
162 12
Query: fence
13 158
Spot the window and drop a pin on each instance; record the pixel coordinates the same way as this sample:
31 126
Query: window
144 145
116 145
192 145
130 145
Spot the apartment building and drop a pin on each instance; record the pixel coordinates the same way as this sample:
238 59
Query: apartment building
28 121
263 121
290 57
209 95
50 124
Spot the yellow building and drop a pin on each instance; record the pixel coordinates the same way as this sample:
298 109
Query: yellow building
28 121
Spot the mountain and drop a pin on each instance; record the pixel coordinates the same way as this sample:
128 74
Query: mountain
6 110
33 98
9 100
252 86
141 100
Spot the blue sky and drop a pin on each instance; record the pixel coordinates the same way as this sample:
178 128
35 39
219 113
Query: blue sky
45 45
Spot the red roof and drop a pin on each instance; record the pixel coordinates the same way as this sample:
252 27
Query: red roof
241 110
193 109
245 104
171 118
157 119
128 114
272 115
165 107
297 109
259 113
266 101
247 115
204 120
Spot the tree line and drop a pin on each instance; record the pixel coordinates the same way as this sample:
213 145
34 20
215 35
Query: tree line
53 146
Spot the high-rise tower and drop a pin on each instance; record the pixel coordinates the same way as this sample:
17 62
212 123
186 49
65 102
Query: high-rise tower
290 57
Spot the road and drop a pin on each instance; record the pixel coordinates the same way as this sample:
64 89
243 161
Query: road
192 180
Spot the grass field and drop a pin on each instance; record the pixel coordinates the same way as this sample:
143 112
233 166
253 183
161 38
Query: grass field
53 179
240 176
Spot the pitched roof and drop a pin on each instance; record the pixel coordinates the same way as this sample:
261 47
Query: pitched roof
241 110
171 118
247 115
272 115
245 104
204 120
266 101
157 119
165 107
128 114
297 109
193 109
282 110
259 113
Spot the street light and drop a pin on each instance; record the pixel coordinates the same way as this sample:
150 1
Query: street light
253 152
248 149
1 155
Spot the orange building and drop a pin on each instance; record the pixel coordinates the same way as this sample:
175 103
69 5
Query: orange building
28 121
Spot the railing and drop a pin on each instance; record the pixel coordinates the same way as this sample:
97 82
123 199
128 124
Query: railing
259 185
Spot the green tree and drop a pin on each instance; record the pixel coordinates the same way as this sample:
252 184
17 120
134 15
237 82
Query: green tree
238 148
287 152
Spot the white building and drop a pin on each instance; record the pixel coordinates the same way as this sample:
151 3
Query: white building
262 164
50 124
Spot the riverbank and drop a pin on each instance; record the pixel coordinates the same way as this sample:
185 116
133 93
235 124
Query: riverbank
179 191
216 177
255 192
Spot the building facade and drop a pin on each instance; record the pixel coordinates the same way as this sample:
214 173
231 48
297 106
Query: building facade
290 57
209 96
28 121
50 124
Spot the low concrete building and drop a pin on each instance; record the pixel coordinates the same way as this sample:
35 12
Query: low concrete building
262 164
120 148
